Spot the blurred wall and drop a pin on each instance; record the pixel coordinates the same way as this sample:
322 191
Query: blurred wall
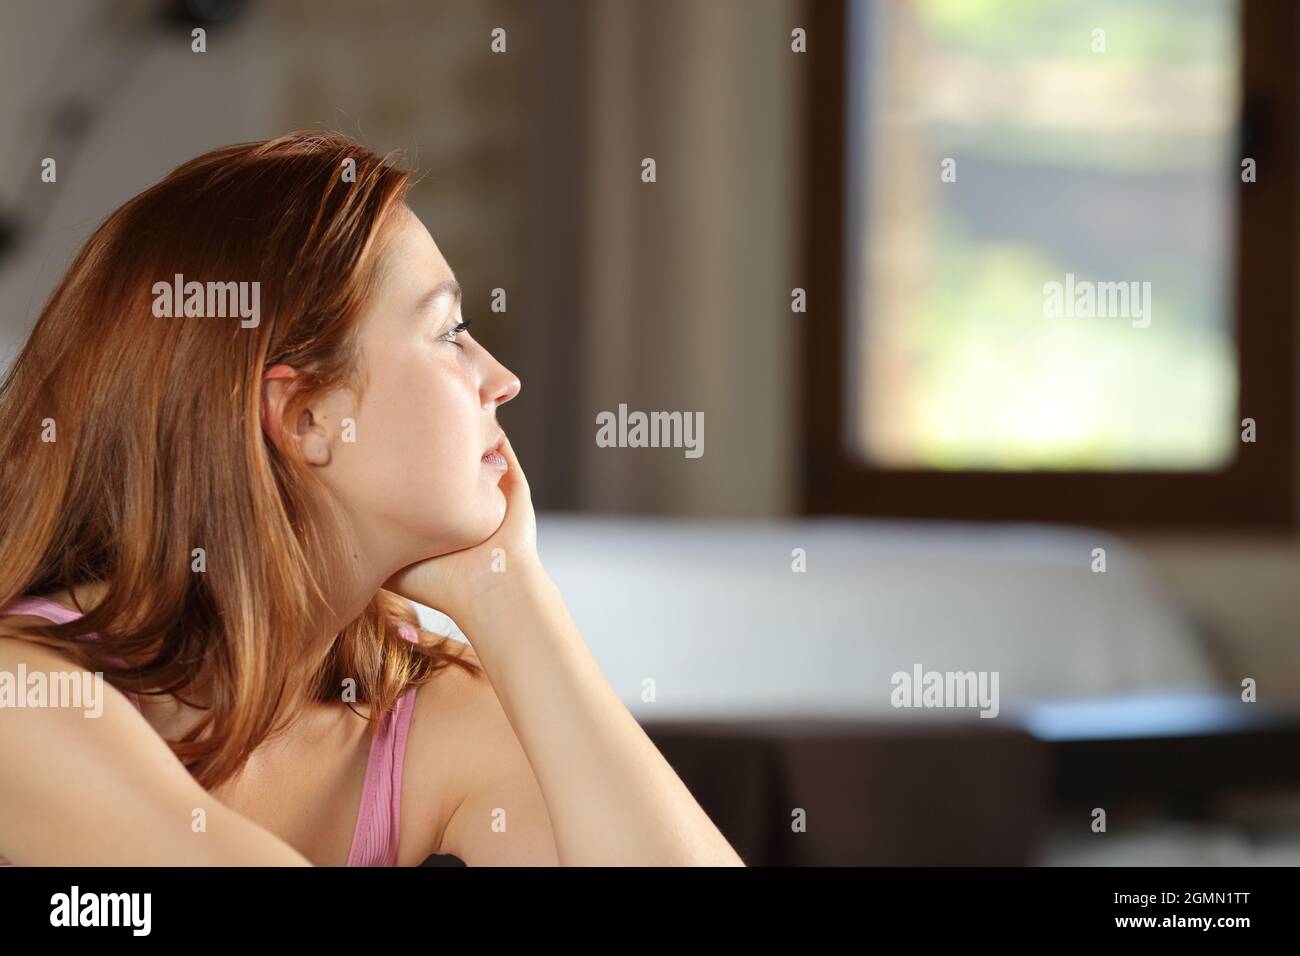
393 73
1243 592
690 276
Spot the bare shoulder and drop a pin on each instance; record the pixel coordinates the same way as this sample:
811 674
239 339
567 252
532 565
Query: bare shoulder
18 646
441 748
55 756
462 754
14 625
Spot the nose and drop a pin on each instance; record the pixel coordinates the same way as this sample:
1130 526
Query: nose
500 385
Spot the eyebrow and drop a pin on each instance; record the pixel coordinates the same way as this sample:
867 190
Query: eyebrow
448 287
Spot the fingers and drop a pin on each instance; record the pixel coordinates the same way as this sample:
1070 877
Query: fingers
515 472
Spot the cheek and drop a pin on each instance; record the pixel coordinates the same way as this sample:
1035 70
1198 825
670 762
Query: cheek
415 463
420 428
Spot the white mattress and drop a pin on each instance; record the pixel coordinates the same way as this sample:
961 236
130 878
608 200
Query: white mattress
714 615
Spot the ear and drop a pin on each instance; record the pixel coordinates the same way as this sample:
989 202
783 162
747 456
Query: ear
308 435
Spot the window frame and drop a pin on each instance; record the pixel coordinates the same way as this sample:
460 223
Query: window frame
1255 491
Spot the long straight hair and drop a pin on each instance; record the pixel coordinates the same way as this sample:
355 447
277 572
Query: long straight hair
132 452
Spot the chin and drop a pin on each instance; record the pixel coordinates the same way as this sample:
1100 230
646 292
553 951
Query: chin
487 518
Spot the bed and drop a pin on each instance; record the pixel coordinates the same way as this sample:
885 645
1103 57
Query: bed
769 689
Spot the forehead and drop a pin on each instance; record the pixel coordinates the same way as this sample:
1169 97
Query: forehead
409 266
412 260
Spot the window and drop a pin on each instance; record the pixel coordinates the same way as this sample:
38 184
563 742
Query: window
1052 263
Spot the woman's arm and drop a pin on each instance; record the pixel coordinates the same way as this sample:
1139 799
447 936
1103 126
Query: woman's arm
106 790
612 797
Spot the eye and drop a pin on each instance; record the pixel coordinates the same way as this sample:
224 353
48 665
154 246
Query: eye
450 335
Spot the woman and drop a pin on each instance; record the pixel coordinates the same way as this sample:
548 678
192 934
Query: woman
248 423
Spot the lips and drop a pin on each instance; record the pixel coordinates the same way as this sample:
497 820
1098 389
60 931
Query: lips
493 457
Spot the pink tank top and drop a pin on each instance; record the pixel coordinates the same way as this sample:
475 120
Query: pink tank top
375 839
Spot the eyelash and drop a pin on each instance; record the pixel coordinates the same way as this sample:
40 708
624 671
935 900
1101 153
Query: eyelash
450 336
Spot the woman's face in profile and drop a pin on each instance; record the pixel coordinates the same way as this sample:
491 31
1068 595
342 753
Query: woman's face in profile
414 479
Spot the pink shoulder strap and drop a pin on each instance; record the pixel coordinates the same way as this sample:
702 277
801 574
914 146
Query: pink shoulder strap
375 840
41 607
52 610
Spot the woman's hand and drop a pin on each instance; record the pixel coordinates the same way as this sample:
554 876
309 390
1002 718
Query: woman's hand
458 582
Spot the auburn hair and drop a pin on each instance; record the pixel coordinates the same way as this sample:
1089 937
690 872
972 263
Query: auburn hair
131 441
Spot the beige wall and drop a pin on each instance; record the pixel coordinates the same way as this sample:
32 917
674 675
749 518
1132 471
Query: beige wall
1246 592
689 278
393 73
